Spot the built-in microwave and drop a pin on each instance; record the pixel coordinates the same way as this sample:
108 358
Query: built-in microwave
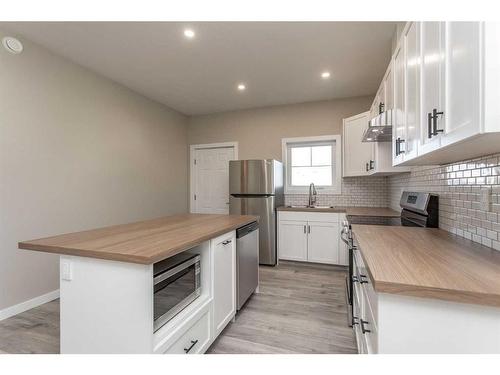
176 285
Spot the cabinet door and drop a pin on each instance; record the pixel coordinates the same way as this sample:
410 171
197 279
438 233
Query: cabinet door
412 90
292 240
224 279
389 88
431 83
381 96
462 81
398 128
356 153
323 242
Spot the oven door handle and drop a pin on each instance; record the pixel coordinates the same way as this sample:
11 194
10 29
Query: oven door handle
344 239
168 273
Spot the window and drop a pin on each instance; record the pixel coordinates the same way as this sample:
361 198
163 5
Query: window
312 160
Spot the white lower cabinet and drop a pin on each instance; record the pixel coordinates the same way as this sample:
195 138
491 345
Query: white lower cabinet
309 237
195 328
196 339
224 281
322 242
292 240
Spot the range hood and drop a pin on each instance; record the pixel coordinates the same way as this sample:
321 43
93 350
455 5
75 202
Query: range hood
379 128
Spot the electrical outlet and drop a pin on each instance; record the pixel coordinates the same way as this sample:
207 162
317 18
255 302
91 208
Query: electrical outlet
66 270
485 199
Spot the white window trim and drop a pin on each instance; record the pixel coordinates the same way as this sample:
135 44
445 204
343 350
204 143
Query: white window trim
338 164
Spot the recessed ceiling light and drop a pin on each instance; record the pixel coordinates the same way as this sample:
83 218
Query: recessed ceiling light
325 75
190 34
241 87
12 44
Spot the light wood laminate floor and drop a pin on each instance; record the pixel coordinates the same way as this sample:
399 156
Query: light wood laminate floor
300 309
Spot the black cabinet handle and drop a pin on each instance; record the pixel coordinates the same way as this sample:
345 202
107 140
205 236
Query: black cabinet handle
193 343
372 162
435 114
355 279
429 125
381 108
227 242
355 320
363 329
362 279
367 167
398 146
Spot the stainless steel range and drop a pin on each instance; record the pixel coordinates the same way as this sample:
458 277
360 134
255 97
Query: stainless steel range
417 210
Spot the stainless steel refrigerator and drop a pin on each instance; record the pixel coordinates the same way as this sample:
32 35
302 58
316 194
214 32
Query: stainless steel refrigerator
256 188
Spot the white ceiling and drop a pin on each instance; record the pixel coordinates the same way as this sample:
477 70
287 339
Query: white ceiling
280 62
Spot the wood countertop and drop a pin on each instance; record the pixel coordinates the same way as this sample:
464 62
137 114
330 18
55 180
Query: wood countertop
429 263
144 242
353 211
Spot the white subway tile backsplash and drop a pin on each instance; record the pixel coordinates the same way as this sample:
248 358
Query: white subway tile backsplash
469 196
356 191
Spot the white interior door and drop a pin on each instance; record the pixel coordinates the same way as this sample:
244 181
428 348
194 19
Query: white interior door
211 180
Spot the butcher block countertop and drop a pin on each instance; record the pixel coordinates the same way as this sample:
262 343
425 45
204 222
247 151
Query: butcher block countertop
353 211
144 242
429 263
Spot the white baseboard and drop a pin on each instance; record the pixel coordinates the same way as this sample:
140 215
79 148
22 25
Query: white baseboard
27 305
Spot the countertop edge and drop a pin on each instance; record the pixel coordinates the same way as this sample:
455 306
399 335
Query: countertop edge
451 295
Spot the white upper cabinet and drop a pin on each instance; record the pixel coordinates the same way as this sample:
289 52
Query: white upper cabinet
462 68
357 154
446 91
389 88
431 84
412 90
399 119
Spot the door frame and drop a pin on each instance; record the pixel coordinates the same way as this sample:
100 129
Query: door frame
192 150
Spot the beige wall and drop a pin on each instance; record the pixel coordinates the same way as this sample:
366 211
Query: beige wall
259 131
77 151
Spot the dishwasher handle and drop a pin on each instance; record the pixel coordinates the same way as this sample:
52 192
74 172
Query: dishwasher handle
249 228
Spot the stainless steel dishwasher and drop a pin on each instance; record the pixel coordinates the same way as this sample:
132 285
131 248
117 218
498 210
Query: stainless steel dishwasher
247 261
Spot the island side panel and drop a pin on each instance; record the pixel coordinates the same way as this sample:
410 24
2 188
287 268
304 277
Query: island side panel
106 306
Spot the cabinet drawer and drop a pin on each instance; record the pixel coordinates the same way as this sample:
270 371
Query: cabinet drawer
368 326
365 282
330 217
195 339
356 315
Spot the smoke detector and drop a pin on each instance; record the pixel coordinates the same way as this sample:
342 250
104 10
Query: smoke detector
12 44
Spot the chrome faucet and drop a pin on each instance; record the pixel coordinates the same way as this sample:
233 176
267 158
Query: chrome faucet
312 195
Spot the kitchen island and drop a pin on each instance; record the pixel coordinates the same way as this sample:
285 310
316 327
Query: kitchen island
107 290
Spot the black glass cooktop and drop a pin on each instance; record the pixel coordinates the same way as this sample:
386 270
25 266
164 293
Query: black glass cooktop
374 220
